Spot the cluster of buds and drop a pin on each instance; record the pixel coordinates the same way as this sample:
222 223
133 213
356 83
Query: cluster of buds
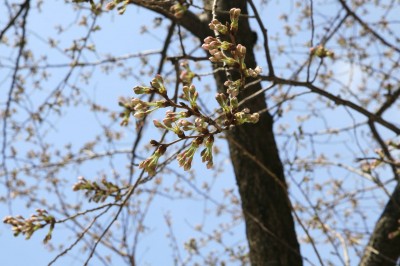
212 43
186 75
220 57
226 52
206 154
126 113
186 125
178 9
28 226
216 25
233 87
157 86
253 72
97 192
138 108
142 108
173 121
321 52
240 54
234 14
171 117
150 164
121 9
190 94
218 49
192 246
169 123
186 157
230 105
245 117
201 126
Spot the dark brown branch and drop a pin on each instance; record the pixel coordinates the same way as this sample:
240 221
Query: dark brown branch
26 7
265 37
189 21
389 102
337 100
23 6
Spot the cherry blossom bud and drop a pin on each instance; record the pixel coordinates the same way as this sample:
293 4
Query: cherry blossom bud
234 103
209 39
241 50
158 84
158 124
110 6
234 14
222 100
216 25
142 90
321 51
178 10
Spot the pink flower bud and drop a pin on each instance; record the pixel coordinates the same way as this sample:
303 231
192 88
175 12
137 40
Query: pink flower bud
213 59
213 51
209 39
110 6
241 50
206 46
215 44
219 55
234 14
157 124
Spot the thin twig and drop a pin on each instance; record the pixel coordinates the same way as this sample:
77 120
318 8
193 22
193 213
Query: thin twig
26 8
265 37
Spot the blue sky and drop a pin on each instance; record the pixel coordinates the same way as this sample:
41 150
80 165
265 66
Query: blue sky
120 35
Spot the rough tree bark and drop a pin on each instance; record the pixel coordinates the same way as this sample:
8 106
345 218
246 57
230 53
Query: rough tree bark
381 250
258 169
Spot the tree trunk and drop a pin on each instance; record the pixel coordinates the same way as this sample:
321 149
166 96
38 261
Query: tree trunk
259 173
381 250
